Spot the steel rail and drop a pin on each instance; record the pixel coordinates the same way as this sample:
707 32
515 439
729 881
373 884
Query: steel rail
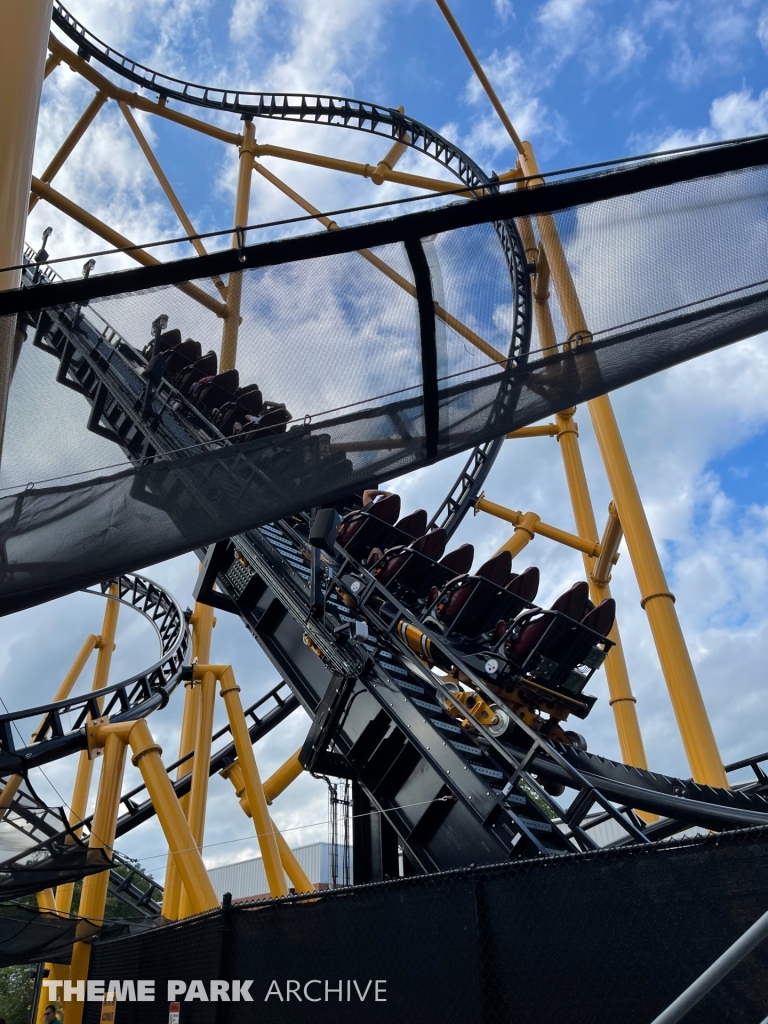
337 111
127 700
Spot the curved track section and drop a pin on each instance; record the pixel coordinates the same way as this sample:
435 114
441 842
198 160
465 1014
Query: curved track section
62 724
337 111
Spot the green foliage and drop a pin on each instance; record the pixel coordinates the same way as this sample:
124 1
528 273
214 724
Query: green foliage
16 988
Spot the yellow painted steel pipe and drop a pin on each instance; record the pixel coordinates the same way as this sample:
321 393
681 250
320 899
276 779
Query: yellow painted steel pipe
276 784
93 896
198 795
453 322
295 872
67 146
546 430
530 522
333 163
231 327
201 622
22 67
230 692
282 778
189 863
621 698
114 238
78 807
693 721
60 53
491 93
570 304
11 787
525 530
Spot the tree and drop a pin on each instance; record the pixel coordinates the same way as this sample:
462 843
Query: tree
16 989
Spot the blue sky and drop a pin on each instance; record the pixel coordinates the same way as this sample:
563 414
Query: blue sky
585 80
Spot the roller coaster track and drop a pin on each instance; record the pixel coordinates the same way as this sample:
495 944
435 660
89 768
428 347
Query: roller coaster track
337 111
445 787
451 795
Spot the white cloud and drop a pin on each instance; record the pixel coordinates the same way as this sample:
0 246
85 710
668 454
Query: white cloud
504 10
245 19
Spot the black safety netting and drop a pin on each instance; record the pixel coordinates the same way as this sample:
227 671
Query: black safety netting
376 350
592 938
28 936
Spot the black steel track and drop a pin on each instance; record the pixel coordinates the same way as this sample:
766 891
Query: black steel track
396 729
336 111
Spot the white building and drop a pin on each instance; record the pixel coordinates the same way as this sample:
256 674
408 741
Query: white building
248 877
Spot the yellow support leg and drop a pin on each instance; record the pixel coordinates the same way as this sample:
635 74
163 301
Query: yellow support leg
198 796
619 688
93 897
277 783
202 623
677 668
265 833
235 280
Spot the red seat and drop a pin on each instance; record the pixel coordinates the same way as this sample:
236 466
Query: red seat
460 559
415 524
601 619
572 604
526 585
385 509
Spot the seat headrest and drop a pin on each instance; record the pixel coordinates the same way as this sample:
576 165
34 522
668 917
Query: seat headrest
387 508
526 585
190 349
252 401
601 619
497 569
460 559
432 544
573 602
207 364
415 524
227 380
168 339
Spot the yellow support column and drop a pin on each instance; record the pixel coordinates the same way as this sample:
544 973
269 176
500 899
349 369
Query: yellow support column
23 44
202 623
677 668
93 897
235 281
622 700
78 808
265 831
175 826
277 783
198 796
659 604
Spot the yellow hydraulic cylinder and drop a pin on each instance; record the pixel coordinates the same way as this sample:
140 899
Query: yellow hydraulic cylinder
659 604
270 852
619 687
235 281
93 897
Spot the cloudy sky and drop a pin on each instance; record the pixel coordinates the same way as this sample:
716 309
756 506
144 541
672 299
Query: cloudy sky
585 80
